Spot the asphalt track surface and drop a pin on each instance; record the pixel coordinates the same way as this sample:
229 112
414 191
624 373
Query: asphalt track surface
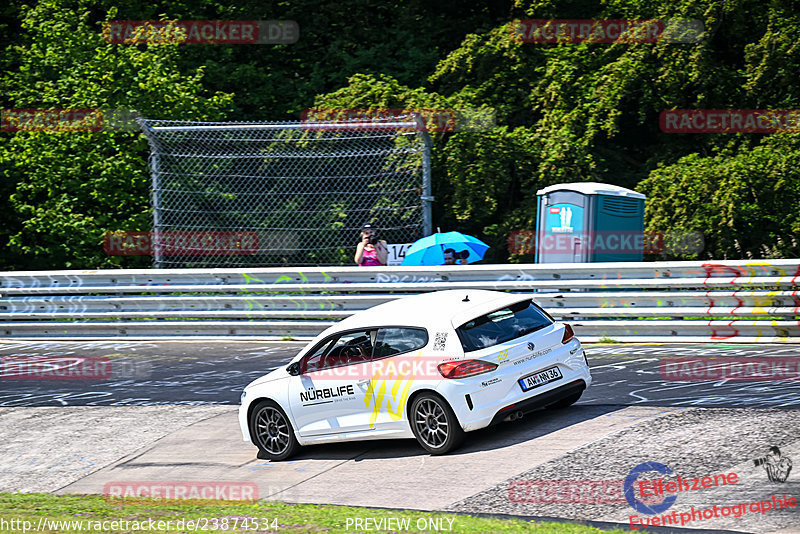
166 410
205 372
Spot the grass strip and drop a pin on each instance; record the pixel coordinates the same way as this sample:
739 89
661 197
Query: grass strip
27 512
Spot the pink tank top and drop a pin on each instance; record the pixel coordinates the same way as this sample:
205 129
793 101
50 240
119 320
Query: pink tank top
369 258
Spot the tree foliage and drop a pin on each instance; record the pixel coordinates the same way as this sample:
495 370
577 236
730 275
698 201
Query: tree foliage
744 203
71 187
564 112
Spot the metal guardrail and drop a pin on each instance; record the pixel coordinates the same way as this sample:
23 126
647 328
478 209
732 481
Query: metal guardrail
741 301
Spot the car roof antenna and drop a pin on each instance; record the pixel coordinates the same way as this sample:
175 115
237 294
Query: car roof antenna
465 299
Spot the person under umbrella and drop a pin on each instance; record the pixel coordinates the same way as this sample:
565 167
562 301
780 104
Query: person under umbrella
435 249
451 257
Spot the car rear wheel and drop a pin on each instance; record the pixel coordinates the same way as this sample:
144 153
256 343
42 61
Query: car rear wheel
435 425
272 432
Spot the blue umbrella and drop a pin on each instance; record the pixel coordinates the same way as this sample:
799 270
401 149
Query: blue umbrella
430 250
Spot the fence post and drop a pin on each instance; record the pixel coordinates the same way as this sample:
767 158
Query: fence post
155 199
426 197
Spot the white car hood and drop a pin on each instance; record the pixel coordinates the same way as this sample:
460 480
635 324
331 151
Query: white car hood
276 374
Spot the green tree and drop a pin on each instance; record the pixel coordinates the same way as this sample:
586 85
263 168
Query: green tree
69 187
744 204
589 111
565 112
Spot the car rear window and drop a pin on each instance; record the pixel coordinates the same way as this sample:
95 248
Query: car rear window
502 325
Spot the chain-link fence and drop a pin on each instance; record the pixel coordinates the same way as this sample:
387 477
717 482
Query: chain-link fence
226 194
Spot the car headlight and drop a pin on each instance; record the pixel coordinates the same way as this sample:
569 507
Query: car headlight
244 394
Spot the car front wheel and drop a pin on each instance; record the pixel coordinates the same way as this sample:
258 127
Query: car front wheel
272 432
435 425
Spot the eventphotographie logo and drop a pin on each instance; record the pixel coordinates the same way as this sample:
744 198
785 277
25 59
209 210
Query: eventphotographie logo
775 464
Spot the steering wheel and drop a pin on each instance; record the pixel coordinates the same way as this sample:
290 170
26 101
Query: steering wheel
351 352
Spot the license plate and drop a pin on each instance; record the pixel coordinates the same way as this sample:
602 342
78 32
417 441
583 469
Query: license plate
539 379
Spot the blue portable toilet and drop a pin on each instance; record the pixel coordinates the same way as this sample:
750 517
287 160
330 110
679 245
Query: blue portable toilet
589 222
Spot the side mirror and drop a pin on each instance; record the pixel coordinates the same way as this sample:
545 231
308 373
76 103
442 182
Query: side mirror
294 369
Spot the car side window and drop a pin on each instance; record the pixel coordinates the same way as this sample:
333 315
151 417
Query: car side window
313 362
396 340
343 349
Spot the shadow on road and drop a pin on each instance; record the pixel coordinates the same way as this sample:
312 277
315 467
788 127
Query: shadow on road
533 425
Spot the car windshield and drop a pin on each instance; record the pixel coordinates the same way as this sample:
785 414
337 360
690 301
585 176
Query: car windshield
502 325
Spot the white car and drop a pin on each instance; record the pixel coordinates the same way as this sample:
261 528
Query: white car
430 367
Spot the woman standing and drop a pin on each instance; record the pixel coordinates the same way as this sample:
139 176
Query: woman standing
371 251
